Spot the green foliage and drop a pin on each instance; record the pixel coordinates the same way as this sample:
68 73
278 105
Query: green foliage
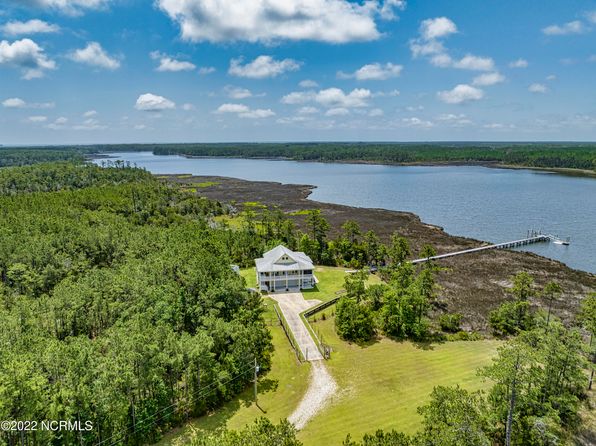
26 156
117 304
354 320
380 438
261 433
513 317
450 322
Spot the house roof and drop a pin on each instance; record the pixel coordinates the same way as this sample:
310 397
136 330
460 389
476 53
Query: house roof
271 260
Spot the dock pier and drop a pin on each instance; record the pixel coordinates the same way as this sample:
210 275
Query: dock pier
532 237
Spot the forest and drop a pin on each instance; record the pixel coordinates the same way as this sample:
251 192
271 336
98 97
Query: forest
118 305
543 155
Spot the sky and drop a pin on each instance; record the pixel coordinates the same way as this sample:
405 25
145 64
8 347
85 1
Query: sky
123 71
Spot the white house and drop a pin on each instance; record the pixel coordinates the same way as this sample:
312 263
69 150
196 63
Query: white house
282 270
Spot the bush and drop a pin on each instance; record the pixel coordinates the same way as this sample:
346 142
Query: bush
450 322
354 321
511 318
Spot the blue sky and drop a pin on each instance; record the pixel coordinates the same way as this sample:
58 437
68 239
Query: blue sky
109 71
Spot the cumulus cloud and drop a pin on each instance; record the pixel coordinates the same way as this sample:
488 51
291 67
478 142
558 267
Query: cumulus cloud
460 93
470 62
537 88
68 7
20 103
308 110
574 27
519 63
487 79
35 26
374 71
37 119
262 67
152 103
58 123
439 27
90 124
90 114
308 83
331 97
416 122
429 44
26 55
168 63
335 21
338 111
243 111
94 55
237 92
375 112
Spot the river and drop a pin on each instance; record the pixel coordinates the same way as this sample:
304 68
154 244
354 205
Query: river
495 205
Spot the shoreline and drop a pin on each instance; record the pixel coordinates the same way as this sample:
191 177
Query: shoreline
471 284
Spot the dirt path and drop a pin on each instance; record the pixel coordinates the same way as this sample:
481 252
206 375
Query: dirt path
322 388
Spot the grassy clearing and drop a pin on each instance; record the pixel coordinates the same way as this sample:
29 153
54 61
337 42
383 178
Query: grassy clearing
280 391
382 384
331 280
232 222
205 184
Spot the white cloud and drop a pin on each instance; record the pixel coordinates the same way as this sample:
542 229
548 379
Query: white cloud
375 112
140 127
486 79
471 62
461 93
26 55
416 122
437 28
421 47
442 60
94 55
206 70
151 102
37 118
331 97
237 92
308 83
262 67
537 88
308 110
519 63
453 120
14 103
551 77
188 107
339 111
574 27
68 7
58 124
167 63
374 71
20 103
335 97
591 16
90 113
244 111
90 124
232 108
335 21
35 26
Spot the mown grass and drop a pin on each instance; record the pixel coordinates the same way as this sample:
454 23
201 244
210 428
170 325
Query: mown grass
331 280
382 384
280 391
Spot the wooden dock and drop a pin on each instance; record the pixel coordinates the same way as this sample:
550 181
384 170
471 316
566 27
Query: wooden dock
533 238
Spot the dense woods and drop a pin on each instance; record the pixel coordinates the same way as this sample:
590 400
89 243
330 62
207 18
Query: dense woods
117 305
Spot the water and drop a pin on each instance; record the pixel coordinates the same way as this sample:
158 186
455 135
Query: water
495 205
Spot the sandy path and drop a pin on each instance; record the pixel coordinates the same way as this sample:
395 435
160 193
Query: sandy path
322 388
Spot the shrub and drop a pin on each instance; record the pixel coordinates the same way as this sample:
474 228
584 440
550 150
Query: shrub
354 321
450 322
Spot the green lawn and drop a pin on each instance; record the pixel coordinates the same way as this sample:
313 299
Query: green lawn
331 280
280 391
382 384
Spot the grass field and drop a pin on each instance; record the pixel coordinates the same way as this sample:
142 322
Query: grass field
280 391
382 384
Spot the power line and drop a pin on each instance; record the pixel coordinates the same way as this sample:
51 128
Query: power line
197 394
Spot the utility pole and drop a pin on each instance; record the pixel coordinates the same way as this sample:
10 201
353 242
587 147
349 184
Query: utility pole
256 371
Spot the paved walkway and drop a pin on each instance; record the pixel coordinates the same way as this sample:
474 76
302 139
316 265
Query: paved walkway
291 305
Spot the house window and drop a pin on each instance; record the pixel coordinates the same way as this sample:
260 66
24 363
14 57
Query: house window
308 271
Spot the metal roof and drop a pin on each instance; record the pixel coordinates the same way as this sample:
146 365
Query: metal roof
271 260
